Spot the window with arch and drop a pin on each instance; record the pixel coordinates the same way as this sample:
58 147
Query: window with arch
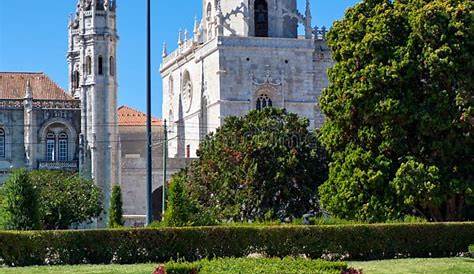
63 147
2 143
50 147
88 65
100 67
112 66
261 18
264 101
75 79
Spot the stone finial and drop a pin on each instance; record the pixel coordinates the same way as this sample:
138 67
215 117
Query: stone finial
28 91
180 37
165 50
308 19
186 35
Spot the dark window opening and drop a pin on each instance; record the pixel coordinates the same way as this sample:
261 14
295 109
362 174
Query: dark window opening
188 151
63 147
101 65
112 66
88 65
75 79
261 18
263 101
2 143
50 147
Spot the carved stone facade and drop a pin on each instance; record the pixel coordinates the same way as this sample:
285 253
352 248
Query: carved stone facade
244 55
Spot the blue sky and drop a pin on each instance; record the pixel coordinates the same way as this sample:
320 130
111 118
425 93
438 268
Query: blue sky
33 37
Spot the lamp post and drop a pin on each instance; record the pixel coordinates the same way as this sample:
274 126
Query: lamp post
149 178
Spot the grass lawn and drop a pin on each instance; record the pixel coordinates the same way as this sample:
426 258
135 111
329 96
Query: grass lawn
412 266
417 266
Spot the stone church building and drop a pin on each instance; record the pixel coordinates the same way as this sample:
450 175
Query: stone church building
243 55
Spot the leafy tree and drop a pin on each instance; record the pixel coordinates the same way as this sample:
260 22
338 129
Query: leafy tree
183 209
20 202
265 165
400 89
116 211
66 199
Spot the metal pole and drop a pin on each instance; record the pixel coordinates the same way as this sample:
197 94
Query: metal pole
149 178
165 158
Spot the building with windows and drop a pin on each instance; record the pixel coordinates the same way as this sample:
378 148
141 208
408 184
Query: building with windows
243 55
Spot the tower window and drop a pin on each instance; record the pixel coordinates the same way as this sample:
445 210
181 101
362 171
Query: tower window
100 67
2 143
112 66
75 79
209 11
88 65
50 147
261 18
264 101
188 151
63 147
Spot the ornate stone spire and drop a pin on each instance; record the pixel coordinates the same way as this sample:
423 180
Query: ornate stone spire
308 19
28 91
165 50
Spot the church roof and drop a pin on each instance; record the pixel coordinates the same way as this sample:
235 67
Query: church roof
13 86
128 116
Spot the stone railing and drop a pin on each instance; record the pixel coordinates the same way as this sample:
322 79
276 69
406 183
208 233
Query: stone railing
64 166
11 104
57 104
319 34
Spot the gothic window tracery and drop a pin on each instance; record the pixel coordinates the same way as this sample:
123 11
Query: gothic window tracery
261 18
62 147
101 65
263 101
50 147
187 91
2 143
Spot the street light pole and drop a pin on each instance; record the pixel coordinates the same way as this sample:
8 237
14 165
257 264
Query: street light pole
149 178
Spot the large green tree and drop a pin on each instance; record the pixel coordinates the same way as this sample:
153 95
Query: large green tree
66 199
265 165
20 202
399 110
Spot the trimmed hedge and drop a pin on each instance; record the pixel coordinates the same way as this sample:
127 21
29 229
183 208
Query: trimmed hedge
127 246
261 266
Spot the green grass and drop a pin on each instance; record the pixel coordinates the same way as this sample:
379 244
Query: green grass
417 266
412 266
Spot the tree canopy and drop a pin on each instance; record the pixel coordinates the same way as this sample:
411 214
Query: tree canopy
399 111
265 165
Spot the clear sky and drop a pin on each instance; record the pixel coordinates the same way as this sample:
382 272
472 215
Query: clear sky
33 37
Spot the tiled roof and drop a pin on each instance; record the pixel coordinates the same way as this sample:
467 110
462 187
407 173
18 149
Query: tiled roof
13 86
128 116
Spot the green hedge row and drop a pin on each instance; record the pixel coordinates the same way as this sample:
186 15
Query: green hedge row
261 266
165 244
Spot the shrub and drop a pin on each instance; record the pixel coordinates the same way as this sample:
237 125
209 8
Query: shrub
66 199
262 266
20 202
116 211
127 246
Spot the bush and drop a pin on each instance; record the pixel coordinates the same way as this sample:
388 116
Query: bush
116 211
128 246
66 199
262 266
20 207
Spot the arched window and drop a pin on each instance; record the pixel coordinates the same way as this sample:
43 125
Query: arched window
50 147
264 101
75 79
112 66
2 143
88 65
100 66
63 147
261 18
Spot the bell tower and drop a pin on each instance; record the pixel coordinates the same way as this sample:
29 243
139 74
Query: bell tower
252 18
93 79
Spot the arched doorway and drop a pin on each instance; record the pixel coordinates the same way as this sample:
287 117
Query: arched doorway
261 18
